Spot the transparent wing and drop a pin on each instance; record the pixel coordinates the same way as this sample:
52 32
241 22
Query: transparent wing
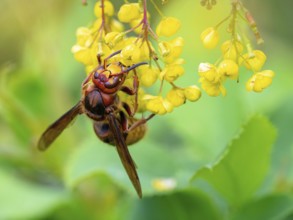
124 154
55 129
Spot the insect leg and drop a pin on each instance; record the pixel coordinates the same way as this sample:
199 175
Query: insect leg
140 122
132 91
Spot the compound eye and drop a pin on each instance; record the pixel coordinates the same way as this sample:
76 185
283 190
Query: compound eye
96 75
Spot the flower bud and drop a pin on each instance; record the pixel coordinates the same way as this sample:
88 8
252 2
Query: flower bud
171 50
228 68
158 105
255 60
84 36
168 26
192 93
231 50
148 75
130 54
171 72
116 25
212 89
108 9
176 97
112 38
210 37
129 12
82 54
259 81
209 72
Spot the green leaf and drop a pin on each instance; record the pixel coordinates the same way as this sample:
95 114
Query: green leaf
153 161
273 207
23 200
245 163
187 204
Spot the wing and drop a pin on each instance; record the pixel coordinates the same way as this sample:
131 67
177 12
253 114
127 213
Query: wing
55 129
124 154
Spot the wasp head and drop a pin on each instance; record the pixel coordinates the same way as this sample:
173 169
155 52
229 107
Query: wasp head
109 79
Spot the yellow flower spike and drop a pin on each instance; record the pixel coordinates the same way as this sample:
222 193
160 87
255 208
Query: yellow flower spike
255 60
176 97
129 12
192 93
232 50
82 54
147 75
112 38
84 36
228 68
210 37
259 81
168 26
171 72
209 72
108 8
158 105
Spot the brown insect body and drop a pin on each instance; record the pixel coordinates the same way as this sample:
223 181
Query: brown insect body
103 132
101 103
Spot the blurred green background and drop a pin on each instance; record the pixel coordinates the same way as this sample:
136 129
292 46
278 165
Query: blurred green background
250 177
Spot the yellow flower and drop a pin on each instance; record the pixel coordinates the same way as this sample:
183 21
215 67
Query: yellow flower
129 12
116 25
168 26
158 105
147 75
170 51
210 37
212 89
84 36
255 60
172 72
108 9
232 50
259 81
112 38
209 72
192 93
82 54
228 68
130 54
176 97
164 184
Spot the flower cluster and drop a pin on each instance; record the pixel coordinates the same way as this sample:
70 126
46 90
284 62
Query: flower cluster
236 52
107 34
208 3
